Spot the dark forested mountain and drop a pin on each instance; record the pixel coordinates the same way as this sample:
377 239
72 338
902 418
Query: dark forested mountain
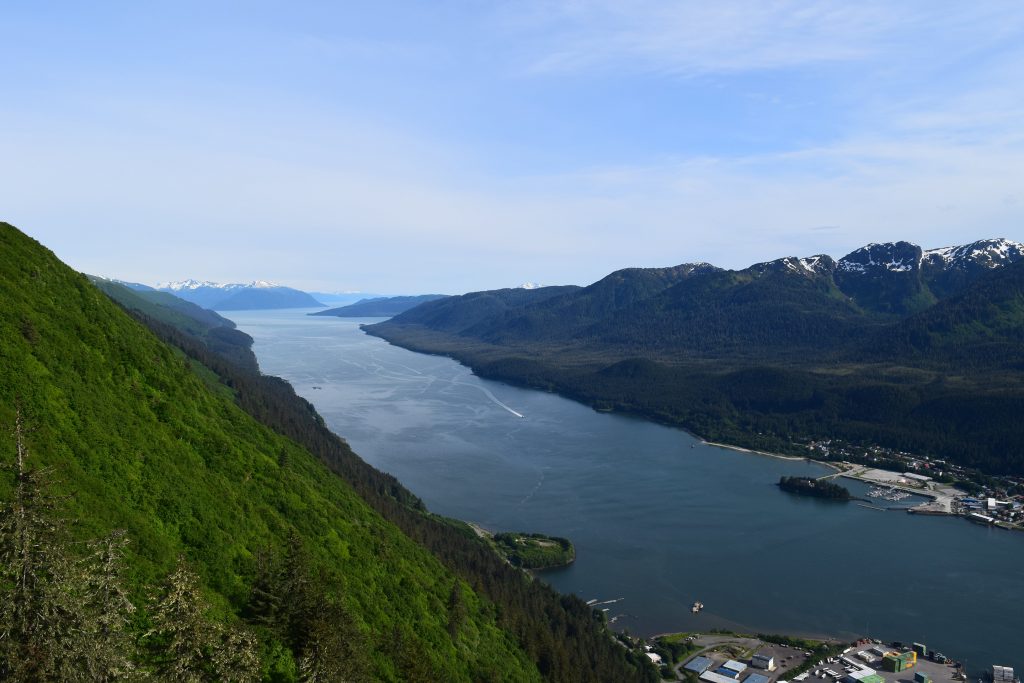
465 314
885 278
380 307
870 347
240 297
169 513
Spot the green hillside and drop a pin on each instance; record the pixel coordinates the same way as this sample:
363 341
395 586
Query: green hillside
216 331
141 437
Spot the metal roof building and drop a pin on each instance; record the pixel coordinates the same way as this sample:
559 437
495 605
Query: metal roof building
756 678
698 665
712 677
738 667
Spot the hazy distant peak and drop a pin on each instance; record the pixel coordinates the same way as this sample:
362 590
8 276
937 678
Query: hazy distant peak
186 284
200 284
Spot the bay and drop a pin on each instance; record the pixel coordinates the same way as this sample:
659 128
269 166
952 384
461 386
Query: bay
659 519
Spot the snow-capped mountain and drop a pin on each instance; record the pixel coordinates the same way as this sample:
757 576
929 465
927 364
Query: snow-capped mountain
901 277
897 257
206 284
258 294
950 269
990 253
809 266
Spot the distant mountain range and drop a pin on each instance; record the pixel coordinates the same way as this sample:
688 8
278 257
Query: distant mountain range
810 347
238 297
380 307
342 298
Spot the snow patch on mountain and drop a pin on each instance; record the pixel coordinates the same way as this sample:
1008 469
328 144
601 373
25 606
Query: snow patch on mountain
206 284
897 257
990 253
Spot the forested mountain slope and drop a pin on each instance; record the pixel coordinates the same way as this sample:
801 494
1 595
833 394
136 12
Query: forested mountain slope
872 348
141 436
216 331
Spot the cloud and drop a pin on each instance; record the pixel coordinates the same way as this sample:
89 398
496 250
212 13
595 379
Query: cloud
730 36
274 183
375 211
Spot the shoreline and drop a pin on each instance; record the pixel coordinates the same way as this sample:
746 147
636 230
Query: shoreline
780 456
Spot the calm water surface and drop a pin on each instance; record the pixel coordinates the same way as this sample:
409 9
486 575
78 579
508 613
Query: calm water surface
659 520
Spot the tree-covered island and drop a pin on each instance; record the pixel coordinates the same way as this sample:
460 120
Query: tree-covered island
535 551
819 488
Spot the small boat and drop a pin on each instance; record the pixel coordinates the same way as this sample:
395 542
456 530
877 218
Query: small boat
697 606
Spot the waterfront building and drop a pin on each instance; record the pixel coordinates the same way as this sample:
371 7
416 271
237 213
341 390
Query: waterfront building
738 667
712 677
698 665
760 661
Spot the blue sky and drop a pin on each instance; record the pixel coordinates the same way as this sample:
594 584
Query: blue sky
453 146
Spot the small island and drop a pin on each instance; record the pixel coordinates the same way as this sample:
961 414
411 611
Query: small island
535 551
818 488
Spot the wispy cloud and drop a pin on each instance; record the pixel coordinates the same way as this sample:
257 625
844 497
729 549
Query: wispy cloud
729 36
380 161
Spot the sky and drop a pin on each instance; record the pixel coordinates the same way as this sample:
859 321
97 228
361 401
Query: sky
411 147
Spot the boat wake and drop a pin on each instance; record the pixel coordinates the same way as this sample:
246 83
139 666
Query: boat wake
488 394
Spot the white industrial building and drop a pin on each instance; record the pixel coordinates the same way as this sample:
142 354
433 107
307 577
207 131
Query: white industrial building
712 677
733 665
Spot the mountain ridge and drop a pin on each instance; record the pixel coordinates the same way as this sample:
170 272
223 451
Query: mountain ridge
379 307
235 296
823 343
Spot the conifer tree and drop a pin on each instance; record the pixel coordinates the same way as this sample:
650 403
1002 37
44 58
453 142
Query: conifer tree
322 634
105 646
41 611
457 611
191 649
